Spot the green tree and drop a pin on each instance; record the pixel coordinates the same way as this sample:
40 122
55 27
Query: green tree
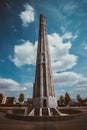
79 99
61 100
67 98
1 97
21 98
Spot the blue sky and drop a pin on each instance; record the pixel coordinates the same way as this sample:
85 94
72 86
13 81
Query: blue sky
66 28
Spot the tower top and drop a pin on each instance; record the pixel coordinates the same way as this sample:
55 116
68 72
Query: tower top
42 15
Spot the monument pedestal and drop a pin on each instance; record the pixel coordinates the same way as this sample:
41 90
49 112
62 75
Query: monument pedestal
45 111
44 102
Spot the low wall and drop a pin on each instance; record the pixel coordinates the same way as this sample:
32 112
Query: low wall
43 118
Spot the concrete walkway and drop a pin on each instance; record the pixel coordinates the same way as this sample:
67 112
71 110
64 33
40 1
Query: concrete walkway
79 123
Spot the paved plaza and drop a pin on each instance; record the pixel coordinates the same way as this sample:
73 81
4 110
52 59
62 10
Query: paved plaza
80 123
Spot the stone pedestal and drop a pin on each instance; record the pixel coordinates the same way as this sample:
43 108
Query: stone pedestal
44 102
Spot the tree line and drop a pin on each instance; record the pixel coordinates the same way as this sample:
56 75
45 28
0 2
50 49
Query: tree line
66 100
21 98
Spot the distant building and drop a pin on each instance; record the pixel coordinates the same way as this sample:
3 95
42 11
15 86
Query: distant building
10 100
1 98
4 100
30 101
85 101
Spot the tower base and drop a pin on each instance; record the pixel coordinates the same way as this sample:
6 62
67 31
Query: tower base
44 102
46 111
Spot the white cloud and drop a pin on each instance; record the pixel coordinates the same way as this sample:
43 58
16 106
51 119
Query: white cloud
60 57
66 62
79 90
70 82
69 8
9 84
27 16
69 35
72 92
82 83
62 28
85 47
68 79
13 86
25 53
28 85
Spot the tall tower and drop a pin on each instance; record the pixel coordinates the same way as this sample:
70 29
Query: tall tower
43 91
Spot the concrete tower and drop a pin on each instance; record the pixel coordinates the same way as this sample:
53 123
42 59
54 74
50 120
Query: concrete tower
43 91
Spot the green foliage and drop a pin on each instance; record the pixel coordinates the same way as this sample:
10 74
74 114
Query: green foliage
61 100
64 100
79 99
1 97
21 98
67 98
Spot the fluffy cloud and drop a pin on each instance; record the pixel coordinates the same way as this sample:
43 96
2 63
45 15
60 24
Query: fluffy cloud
26 86
82 84
68 79
70 82
13 86
79 90
9 84
69 35
24 54
66 62
27 16
61 59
